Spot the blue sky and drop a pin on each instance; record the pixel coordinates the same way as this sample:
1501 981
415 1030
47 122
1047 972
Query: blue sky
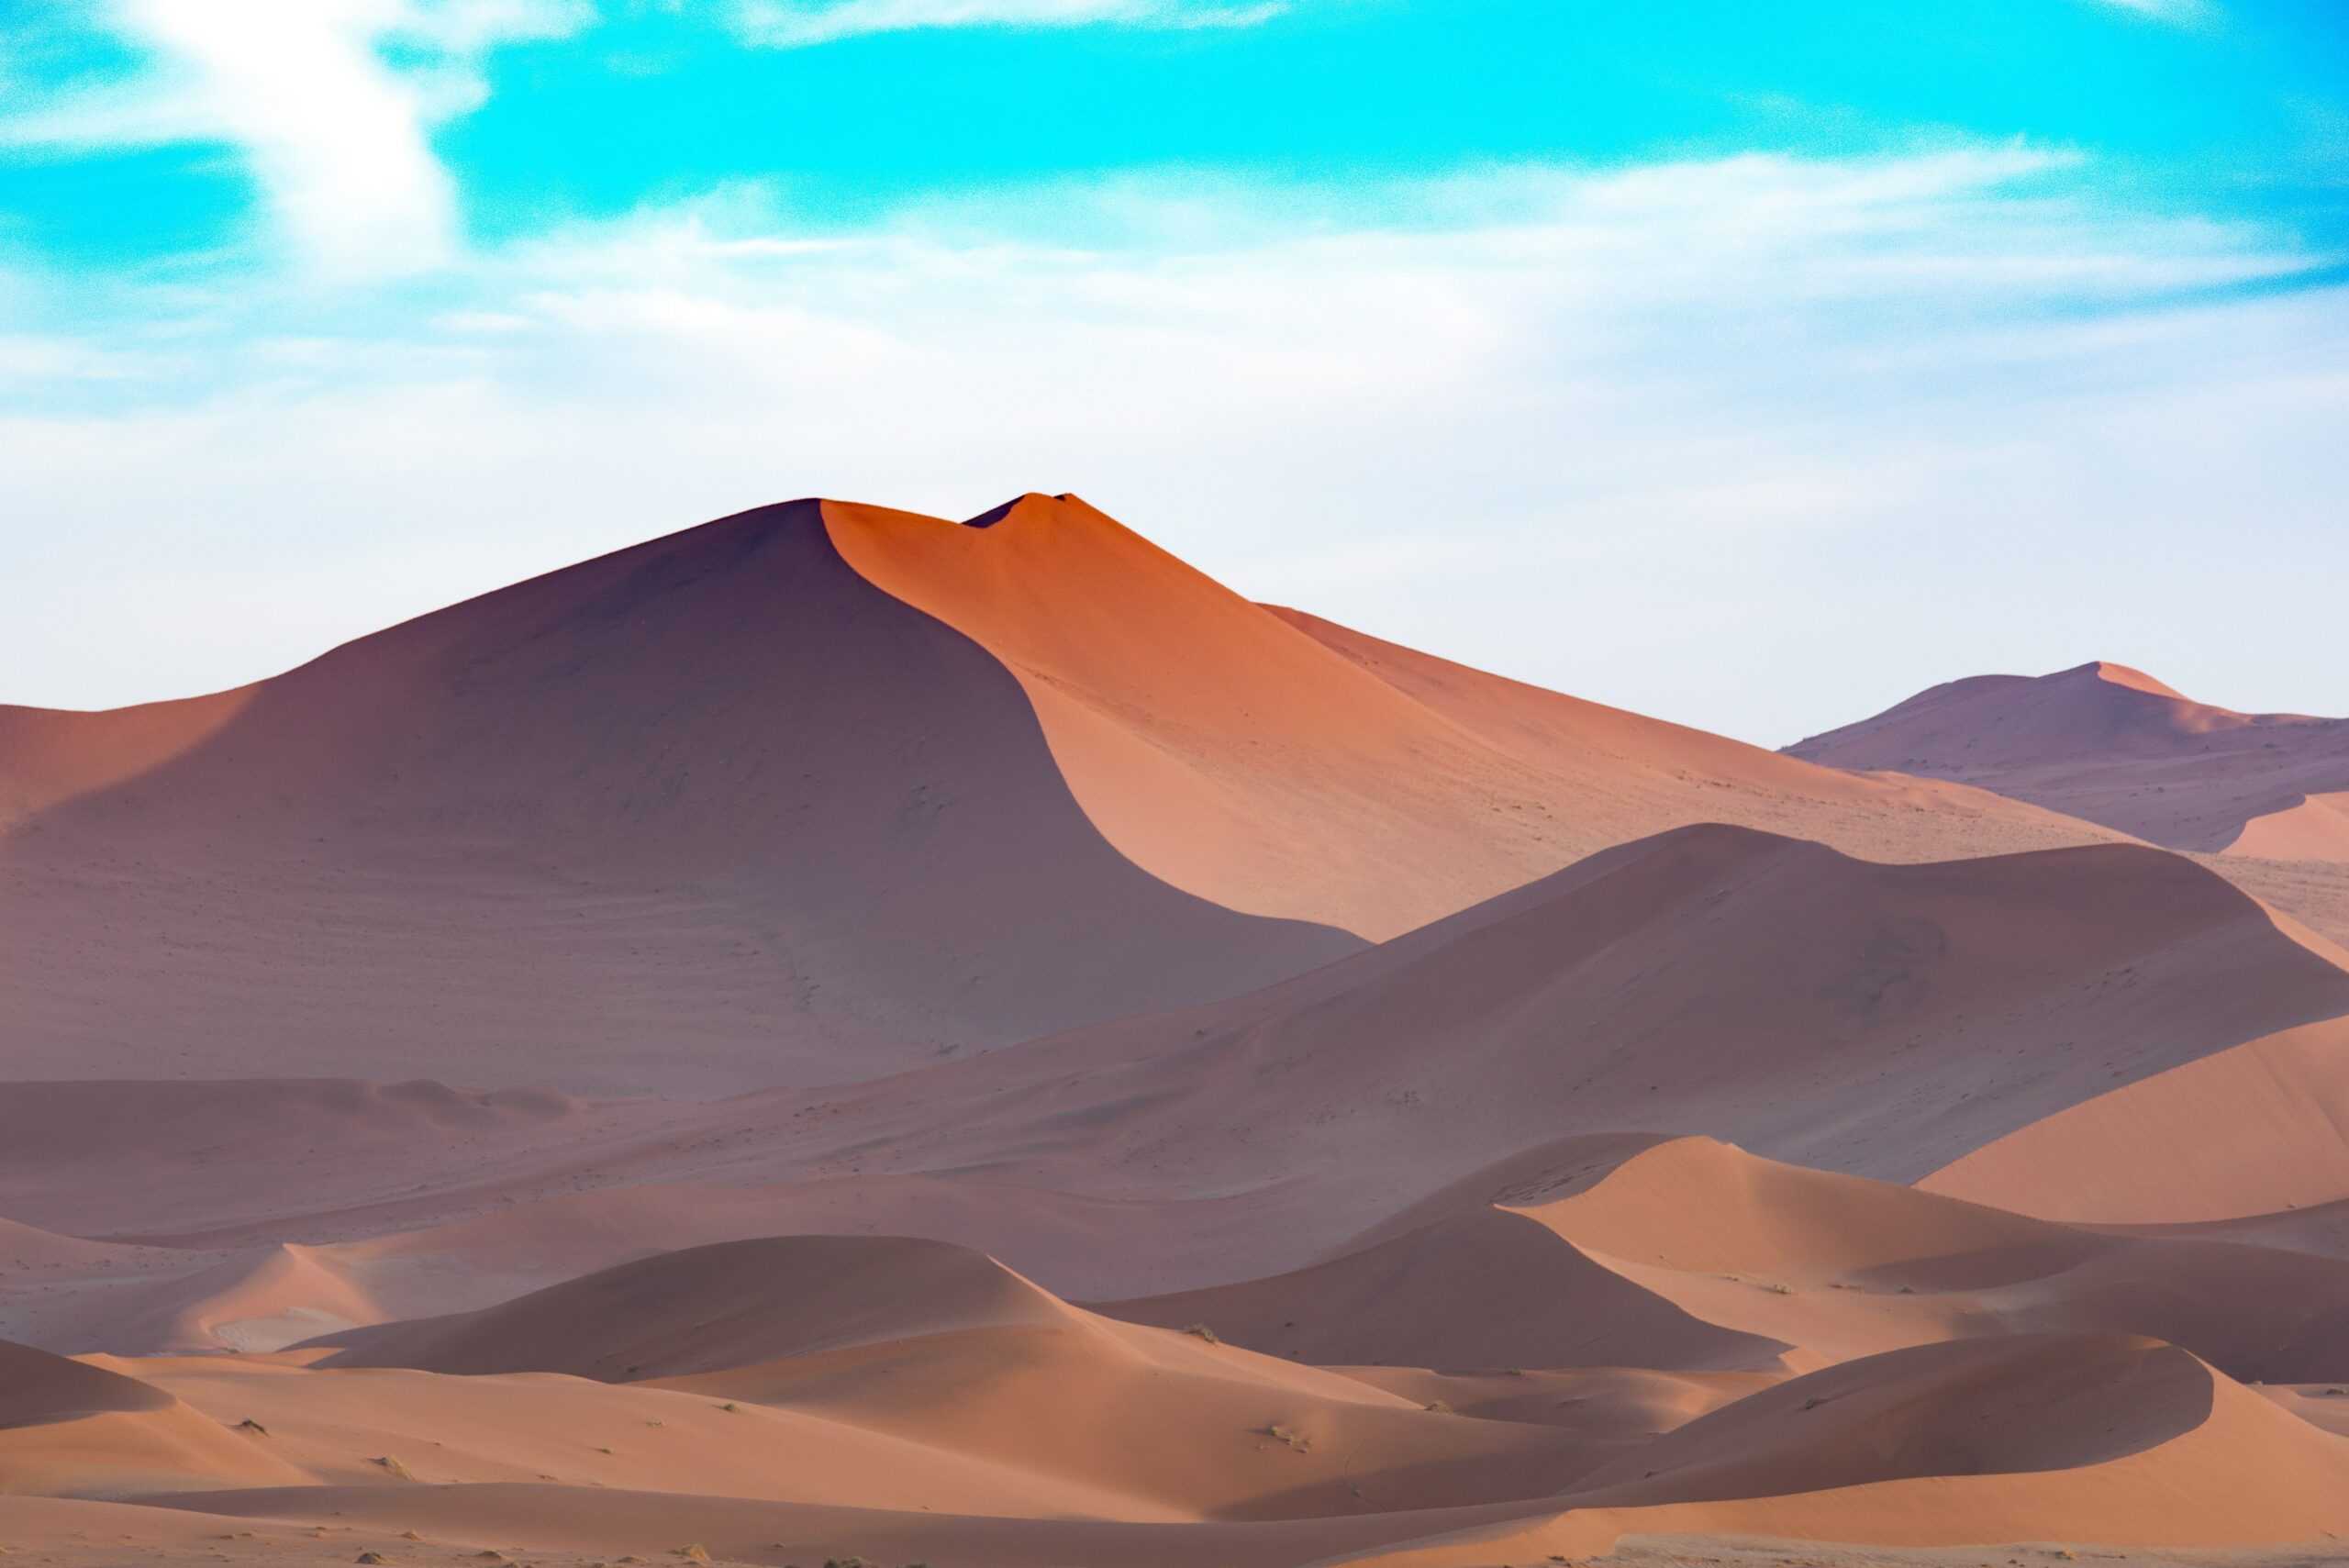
1750 364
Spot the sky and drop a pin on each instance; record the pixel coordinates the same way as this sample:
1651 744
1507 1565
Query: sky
1750 365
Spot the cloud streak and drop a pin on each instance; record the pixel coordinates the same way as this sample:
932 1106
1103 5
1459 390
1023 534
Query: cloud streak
792 23
1650 435
332 131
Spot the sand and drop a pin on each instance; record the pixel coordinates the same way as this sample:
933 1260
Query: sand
840 1034
2112 745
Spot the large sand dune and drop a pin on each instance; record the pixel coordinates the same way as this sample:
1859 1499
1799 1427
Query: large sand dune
810 792
841 1035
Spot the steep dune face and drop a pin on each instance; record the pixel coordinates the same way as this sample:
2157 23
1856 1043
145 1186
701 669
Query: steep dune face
1273 762
943 1350
1185 1426
2251 1130
2036 1402
69 1429
706 814
2062 1438
731 1304
1878 1019
2112 745
1684 1254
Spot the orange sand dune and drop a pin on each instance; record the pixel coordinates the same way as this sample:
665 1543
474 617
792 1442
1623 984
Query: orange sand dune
879 932
1879 1019
2109 1439
74 1430
1273 762
2079 1438
938 1347
731 1304
1192 1428
1688 1253
1883 1019
804 794
403 1431
2251 1130
2111 745
708 814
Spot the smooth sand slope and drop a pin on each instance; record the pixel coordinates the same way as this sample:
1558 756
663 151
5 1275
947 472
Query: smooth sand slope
2113 745
811 791
1274 763
708 814
901 1398
2036 1438
1687 1254
1884 1020
651 1064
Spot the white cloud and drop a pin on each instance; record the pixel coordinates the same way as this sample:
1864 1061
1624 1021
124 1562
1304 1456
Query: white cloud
332 131
1757 443
790 24
2183 13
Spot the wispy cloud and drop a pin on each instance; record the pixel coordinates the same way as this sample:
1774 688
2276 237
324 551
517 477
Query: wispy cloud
333 131
1615 431
2185 13
787 24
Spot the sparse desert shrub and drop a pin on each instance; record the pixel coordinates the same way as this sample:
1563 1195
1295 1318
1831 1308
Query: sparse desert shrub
393 1464
1204 1332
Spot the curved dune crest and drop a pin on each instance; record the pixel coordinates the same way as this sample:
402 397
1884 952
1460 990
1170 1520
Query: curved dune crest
1262 758
2112 745
70 1430
37 1388
2128 1442
714 790
2251 1130
1879 1019
730 1304
1686 1253
2316 828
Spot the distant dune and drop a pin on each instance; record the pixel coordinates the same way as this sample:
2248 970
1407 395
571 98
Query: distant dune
2112 745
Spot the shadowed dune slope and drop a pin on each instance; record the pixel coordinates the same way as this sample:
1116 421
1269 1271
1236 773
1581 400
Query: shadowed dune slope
1268 762
1686 1253
706 814
2112 745
1881 1019
726 1305
69 1429
37 1388
2105 1438
2253 1130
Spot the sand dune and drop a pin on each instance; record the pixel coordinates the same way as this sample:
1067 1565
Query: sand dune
731 1303
1686 1253
1879 1019
74 1430
717 789
2122 1440
2112 745
1277 763
817 789
652 1062
2251 1130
